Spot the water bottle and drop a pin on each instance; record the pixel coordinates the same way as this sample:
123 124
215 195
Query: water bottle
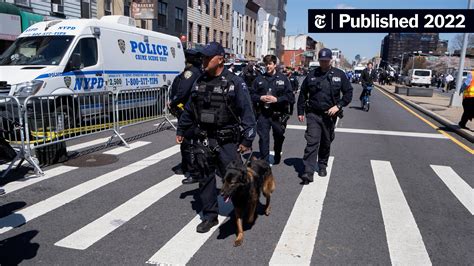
269 92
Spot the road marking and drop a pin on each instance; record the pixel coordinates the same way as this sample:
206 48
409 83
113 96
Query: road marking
175 120
98 229
460 144
297 241
19 184
182 247
132 146
88 144
405 243
380 132
457 185
4 166
25 215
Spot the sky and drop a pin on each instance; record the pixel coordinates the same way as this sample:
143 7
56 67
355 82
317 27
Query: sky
351 44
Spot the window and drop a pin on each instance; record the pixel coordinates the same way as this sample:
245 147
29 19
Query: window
190 3
107 7
162 14
199 3
215 9
227 40
228 12
254 27
220 37
246 47
207 35
199 40
221 11
215 35
126 9
22 2
87 49
246 24
238 20
178 24
57 6
190 32
207 6
85 9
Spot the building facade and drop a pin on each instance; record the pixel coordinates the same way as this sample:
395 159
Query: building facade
251 18
277 8
266 39
238 30
299 50
222 23
395 44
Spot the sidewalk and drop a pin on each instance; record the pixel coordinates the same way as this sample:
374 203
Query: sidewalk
437 107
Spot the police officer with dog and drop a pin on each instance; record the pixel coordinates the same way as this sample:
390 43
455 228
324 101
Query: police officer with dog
321 102
221 113
179 95
272 96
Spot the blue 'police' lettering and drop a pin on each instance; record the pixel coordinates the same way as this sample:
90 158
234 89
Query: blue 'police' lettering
145 48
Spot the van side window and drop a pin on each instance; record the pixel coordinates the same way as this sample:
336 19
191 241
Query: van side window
87 48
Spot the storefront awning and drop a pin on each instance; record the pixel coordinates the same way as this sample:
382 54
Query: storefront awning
28 19
7 8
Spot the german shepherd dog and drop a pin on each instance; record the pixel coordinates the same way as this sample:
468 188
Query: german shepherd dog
243 184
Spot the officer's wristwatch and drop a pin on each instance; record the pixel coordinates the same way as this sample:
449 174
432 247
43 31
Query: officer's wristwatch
339 106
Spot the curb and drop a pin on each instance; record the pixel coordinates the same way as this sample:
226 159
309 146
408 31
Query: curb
440 119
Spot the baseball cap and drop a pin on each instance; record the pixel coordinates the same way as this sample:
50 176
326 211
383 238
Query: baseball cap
325 54
212 49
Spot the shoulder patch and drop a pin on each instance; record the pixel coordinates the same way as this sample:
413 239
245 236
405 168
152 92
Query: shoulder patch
188 74
336 79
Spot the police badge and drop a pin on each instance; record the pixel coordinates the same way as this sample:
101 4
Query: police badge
173 51
67 81
187 74
121 44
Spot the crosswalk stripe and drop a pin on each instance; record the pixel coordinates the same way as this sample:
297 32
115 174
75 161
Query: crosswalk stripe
19 184
96 230
25 215
134 145
296 243
457 185
404 239
89 144
182 247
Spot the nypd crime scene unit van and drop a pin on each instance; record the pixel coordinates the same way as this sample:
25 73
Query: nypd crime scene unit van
88 55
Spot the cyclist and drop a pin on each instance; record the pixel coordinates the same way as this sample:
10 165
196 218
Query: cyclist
367 78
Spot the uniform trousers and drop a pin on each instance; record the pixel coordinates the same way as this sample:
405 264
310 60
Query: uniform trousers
319 135
264 124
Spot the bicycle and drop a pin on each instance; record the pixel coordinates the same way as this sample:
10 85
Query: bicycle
365 103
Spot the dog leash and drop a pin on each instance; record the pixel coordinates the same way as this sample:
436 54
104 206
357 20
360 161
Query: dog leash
248 158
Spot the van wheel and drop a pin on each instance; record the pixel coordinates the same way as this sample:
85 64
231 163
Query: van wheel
427 86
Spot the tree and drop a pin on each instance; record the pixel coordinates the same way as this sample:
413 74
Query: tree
420 62
456 42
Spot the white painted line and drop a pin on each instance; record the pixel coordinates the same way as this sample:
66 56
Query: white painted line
98 229
132 146
405 243
457 185
4 166
19 184
380 132
296 243
182 247
25 215
175 120
88 144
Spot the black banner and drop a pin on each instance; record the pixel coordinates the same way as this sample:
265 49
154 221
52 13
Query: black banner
390 20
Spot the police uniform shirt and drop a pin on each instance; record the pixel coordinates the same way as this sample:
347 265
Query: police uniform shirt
182 85
238 96
280 86
318 86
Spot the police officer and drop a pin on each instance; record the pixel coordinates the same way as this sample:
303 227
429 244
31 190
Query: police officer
293 77
180 94
272 96
321 102
221 109
250 73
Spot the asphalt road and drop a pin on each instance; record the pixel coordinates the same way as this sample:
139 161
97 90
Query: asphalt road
398 191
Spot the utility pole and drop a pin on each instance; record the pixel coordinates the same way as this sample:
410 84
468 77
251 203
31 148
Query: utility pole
456 99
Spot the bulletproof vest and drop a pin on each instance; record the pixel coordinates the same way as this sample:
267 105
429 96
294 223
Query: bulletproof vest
213 105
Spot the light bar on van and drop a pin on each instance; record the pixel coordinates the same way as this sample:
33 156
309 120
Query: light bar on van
28 88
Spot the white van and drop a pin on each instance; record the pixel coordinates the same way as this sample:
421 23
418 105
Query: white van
418 77
86 55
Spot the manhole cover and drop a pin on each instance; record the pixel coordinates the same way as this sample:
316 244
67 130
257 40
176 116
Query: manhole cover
92 160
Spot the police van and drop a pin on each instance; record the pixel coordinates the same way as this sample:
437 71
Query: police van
88 55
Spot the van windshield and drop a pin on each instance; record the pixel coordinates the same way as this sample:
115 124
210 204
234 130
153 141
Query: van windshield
422 73
40 50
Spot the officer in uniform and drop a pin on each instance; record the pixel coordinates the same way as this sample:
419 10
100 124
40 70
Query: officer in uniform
221 110
180 94
320 100
293 77
250 73
272 96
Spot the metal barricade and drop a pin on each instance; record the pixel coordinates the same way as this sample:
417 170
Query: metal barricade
12 130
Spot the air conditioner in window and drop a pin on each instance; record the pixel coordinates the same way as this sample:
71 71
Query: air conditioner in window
199 8
221 17
57 8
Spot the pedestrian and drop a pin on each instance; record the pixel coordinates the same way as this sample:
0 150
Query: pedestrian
468 100
272 96
449 78
249 74
321 102
367 79
439 78
221 110
179 95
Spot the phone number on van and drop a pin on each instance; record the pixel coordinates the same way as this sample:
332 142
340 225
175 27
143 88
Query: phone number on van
141 81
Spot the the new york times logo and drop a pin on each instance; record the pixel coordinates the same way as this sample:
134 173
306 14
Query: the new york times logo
394 20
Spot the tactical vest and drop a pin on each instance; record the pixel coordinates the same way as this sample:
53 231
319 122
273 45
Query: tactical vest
213 105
